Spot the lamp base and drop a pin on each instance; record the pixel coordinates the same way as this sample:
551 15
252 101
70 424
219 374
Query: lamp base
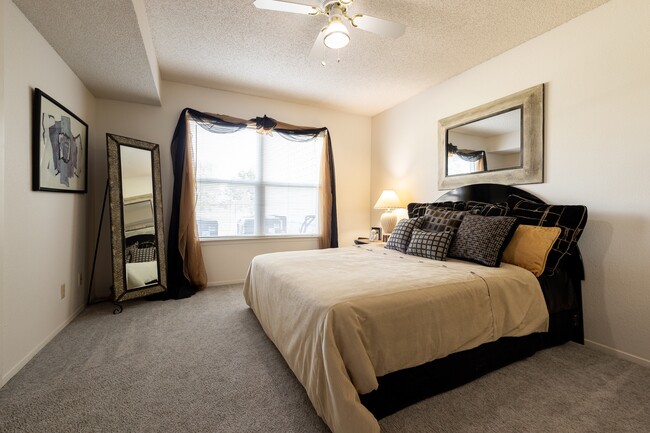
388 222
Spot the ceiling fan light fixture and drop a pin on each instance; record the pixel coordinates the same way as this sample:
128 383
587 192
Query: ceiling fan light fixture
336 35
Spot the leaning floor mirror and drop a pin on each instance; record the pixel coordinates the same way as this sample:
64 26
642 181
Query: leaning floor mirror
137 236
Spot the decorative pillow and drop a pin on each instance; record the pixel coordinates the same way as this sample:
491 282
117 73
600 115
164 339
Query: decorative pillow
147 254
571 219
128 252
431 245
440 220
451 205
419 209
482 239
529 247
401 236
486 209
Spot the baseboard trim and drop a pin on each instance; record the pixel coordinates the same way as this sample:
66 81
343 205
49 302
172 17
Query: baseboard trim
224 283
617 353
16 368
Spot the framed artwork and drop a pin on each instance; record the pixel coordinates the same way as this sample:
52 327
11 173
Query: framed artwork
59 147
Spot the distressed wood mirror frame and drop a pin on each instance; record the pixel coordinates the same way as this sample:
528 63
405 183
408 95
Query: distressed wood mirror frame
116 146
531 101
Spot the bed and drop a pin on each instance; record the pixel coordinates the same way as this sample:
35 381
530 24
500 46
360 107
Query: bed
369 330
140 257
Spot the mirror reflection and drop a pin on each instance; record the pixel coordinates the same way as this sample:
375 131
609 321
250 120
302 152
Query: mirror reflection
139 230
489 144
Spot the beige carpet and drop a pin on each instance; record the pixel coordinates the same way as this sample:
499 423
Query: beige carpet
203 364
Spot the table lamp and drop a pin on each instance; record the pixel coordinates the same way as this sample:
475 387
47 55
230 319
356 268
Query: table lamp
388 200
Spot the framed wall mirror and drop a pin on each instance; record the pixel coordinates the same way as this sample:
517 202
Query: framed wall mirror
137 234
498 142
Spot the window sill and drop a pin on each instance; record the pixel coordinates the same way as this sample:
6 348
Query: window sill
256 239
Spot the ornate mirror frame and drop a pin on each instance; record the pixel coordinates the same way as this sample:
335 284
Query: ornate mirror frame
531 101
121 292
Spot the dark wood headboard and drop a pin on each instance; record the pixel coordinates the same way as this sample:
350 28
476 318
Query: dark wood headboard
487 193
495 193
140 239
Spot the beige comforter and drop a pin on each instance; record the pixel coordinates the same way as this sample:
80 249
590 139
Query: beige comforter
342 317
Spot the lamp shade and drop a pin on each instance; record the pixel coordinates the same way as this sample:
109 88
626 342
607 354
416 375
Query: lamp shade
336 34
388 200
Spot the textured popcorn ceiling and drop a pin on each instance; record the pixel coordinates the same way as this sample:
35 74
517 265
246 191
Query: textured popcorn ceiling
231 45
102 43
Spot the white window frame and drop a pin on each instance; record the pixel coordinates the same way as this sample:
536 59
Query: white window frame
260 203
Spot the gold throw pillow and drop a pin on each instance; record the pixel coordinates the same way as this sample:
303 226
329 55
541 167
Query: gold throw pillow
529 247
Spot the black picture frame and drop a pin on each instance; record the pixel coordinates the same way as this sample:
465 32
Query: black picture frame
59 147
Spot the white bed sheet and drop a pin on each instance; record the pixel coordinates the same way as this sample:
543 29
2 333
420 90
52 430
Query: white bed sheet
139 273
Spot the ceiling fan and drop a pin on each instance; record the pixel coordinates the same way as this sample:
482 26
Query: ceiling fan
335 34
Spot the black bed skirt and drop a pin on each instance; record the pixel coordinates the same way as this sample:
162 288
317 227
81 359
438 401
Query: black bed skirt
405 387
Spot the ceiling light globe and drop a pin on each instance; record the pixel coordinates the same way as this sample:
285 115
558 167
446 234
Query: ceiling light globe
336 35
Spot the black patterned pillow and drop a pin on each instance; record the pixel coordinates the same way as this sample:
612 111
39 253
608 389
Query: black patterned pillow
419 209
440 220
146 254
128 252
431 245
486 209
401 236
482 239
571 219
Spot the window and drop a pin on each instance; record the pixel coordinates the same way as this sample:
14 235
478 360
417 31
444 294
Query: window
457 165
248 184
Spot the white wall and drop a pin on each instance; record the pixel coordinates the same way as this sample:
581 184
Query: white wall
136 186
2 187
227 261
597 143
45 231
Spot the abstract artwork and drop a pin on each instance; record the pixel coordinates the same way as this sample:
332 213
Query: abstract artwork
60 147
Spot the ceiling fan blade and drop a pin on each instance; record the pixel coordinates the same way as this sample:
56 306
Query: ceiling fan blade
317 53
282 6
379 26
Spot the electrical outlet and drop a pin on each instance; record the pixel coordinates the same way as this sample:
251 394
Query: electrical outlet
80 279
62 290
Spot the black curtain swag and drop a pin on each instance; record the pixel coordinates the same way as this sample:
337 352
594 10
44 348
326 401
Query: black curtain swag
469 156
